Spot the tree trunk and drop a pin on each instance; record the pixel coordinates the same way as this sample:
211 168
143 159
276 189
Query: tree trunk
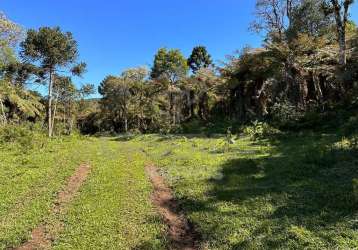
341 28
71 126
342 46
192 103
54 112
4 120
125 123
138 122
318 90
50 105
174 115
64 115
172 107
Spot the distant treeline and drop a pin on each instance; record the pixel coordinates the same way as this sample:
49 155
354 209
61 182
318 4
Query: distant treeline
307 65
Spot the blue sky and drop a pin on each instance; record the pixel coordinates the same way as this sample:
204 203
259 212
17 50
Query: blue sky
117 34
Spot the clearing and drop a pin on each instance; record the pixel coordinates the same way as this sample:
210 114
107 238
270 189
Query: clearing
292 191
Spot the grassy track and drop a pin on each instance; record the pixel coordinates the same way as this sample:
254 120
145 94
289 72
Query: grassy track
112 211
292 192
29 183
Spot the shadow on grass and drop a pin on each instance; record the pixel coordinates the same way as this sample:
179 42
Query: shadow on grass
305 179
159 137
149 245
169 137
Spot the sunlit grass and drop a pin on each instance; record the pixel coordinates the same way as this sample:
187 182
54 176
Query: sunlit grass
111 211
292 191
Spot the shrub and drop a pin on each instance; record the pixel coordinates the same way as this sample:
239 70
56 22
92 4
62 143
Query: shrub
350 127
193 126
26 136
355 189
260 130
285 113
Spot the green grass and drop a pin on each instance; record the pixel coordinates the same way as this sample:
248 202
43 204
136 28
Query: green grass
112 210
289 192
29 183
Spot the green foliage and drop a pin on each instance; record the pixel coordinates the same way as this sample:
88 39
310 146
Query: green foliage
7 57
79 69
126 99
261 190
10 35
24 137
355 189
309 18
170 65
53 49
10 32
199 58
351 126
284 113
50 46
27 103
260 130
194 126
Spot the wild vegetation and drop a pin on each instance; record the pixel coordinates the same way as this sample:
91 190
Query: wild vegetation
260 151
307 65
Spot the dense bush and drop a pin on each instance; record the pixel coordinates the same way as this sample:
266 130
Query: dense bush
355 189
351 126
284 113
260 130
27 136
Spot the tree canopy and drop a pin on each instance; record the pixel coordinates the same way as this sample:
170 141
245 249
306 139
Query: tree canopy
199 58
307 62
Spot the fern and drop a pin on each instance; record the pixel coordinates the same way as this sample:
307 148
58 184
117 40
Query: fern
26 102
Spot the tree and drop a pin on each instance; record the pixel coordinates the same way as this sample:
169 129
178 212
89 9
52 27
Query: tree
273 16
10 35
66 101
340 9
10 32
201 90
54 50
199 58
137 79
24 103
20 73
170 66
117 98
308 17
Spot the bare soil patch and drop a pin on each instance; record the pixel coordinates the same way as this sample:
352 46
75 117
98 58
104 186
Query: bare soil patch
43 235
180 231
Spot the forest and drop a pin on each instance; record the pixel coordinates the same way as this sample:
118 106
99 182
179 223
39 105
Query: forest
258 151
307 66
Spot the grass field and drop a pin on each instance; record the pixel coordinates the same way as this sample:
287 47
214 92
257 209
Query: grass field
288 192
296 192
112 210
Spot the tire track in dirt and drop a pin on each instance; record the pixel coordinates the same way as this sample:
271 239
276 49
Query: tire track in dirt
43 235
181 233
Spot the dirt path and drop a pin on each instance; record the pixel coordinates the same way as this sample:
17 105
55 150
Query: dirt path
43 235
181 233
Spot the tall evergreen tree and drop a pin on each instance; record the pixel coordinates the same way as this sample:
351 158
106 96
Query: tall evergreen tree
170 65
199 58
53 49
